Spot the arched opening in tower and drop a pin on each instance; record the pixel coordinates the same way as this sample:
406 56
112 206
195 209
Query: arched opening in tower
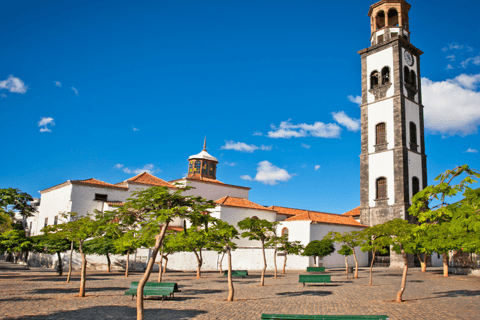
380 20
393 17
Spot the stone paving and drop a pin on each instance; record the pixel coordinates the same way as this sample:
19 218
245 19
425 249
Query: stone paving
40 294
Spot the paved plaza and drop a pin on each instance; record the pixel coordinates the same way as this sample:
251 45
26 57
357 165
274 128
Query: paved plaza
39 294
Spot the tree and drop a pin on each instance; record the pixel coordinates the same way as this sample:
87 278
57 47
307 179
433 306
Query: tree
273 242
195 240
152 210
352 239
170 245
15 242
13 200
79 231
52 244
319 248
103 245
223 234
374 243
289 247
126 244
345 251
456 225
257 229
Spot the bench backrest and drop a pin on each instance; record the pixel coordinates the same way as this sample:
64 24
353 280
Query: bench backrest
315 269
149 285
323 317
314 277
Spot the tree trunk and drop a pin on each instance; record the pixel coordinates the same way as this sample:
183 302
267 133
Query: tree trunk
275 260
231 291
371 268
199 262
160 265
356 263
284 263
26 260
423 262
221 261
70 263
60 266
445 264
262 280
165 266
148 271
127 264
84 271
404 278
346 264
108 263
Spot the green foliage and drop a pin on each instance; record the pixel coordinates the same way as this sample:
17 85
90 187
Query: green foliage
352 239
290 247
222 235
15 241
101 245
373 240
319 248
128 242
50 243
345 250
257 229
11 201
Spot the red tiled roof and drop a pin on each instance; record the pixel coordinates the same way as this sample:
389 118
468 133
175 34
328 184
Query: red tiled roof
207 180
115 203
240 202
151 180
198 177
352 213
287 211
96 182
321 217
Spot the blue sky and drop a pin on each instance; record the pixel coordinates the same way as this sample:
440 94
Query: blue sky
105 89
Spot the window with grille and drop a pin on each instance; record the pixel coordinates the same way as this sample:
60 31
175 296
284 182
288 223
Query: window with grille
415 186
197 166
374 79
46 222
385 75
190 167
381 133
101 197
285 232
413 136
381 188
55 220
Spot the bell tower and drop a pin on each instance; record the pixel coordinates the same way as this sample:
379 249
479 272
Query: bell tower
393 163
202 165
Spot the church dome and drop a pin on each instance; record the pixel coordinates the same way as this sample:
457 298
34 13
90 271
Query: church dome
202 165
203 155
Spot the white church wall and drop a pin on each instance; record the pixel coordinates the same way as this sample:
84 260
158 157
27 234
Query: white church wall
376 62
381 165
412 114
53 203
335 260
83 198
380 112
215 191
297 230
414 170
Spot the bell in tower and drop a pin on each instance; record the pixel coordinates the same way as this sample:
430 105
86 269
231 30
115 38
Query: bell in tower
202 165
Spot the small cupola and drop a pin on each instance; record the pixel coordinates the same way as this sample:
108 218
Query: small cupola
202 165
389 19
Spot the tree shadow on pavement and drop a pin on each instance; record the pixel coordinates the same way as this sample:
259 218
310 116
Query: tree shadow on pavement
305 293
76 290
117 313
458 293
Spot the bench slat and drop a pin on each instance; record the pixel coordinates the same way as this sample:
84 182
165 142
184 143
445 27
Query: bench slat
323 317
315 269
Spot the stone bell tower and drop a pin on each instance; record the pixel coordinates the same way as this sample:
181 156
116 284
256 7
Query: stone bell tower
393 163
202 165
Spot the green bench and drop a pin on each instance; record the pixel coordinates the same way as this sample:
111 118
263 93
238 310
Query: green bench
163 289
314 278
315 269
321 317
237 273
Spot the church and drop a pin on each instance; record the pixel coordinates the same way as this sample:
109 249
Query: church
392 165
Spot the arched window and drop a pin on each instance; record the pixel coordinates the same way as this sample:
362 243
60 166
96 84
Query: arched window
190 167
385 75
254 217
406 74
205 168
380 20
413 135
374 79
198 165
413 79
381 133
381 188
285 232
393 17
415 186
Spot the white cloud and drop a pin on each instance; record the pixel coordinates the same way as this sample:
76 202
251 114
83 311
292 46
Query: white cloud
44 123
74 90
451 57
135 129
243 147
58 83
355 99
452 107
269 174
3 95
470 150
350 123
474 60
150 168
288 130
306 146
449 67
258 133
317 167
231 164
456 46
14 84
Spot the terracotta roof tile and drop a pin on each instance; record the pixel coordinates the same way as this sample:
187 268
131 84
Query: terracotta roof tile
96 182
352 213
115 203
151 180
287 211
198 177
321 217
240 202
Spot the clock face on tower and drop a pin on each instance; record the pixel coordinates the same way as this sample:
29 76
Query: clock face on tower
408 58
